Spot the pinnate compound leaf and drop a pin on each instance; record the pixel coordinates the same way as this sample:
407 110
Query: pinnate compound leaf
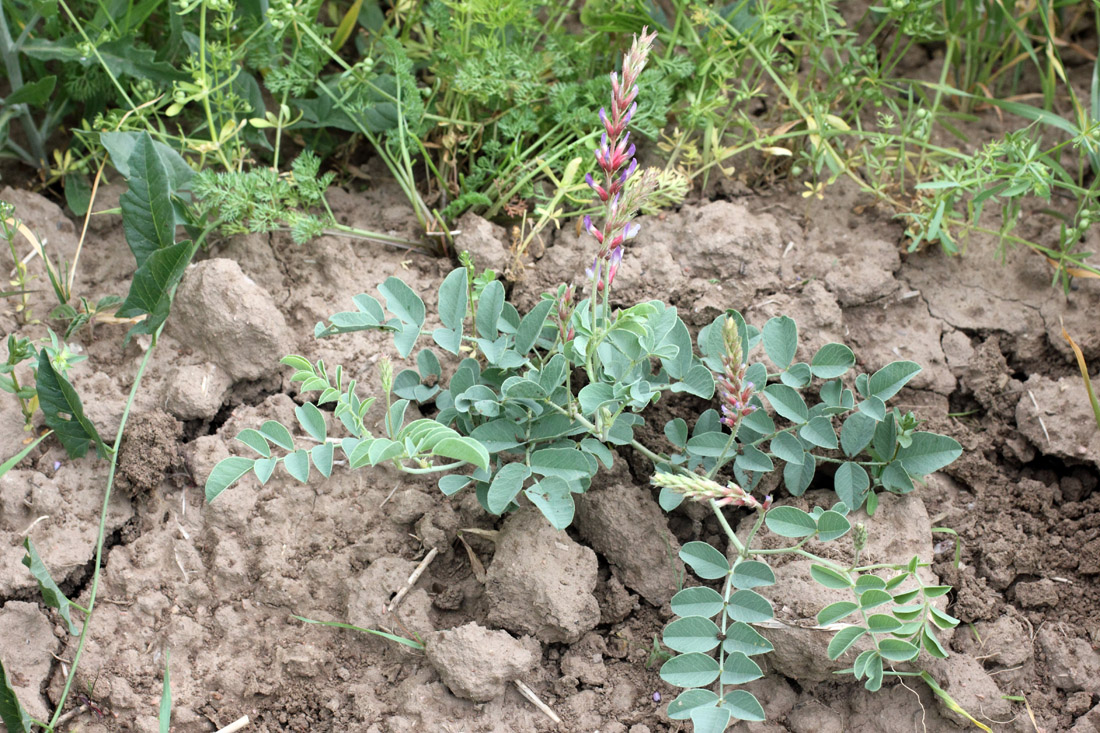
707 562
554 499
888 381
463 449
744 705
752 574
832 361
929 452
51 594
148 219
740 637
64 412
697 601
844 639
781 340
12 714
505 486
694 669
688 700
225 474
789 521
691 634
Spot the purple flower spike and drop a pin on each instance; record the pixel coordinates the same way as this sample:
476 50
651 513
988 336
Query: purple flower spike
630 113
603 118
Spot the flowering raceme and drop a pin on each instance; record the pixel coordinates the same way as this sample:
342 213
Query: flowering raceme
733 391
615 157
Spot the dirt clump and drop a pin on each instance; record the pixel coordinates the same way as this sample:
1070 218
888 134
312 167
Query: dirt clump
476 663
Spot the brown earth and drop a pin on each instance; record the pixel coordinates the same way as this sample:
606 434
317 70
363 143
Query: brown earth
573 615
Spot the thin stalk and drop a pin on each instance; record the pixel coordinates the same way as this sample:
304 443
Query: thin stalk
102 530
9 52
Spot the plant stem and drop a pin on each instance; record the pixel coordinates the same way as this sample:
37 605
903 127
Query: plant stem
97 568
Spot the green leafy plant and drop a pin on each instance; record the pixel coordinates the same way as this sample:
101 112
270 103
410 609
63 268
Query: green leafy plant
543 400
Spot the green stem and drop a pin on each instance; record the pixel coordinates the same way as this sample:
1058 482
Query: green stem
97 568
741 551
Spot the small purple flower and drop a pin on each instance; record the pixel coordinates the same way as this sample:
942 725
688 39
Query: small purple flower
656 697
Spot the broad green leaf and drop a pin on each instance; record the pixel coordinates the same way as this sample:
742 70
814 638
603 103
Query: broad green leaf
835 611
868 582
754 459
153 286
277 434
751 574
322 456
598 449
506 485
489 307
707 562
697 601
531 326
832 361
856 433
740 637
895 478
873 408
844 639
749 607
554 498
708 445
12 714
851 484
698 381
165 716
780 340
593 396
312 421
402 301
787 402
743 705
694 669
691 634
880 623
819 431
873 598
669 499
297 465
676 430
51 594
453 483
688 700
33 93
796 375
942 619
888 381
463 449
452 299
831 525
565 463
255 440
897 650
788 448
738 669
830 578
263 468
789 521
931 643
148 219
496 435
929 452
710 720
64 412
797 478
225 474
